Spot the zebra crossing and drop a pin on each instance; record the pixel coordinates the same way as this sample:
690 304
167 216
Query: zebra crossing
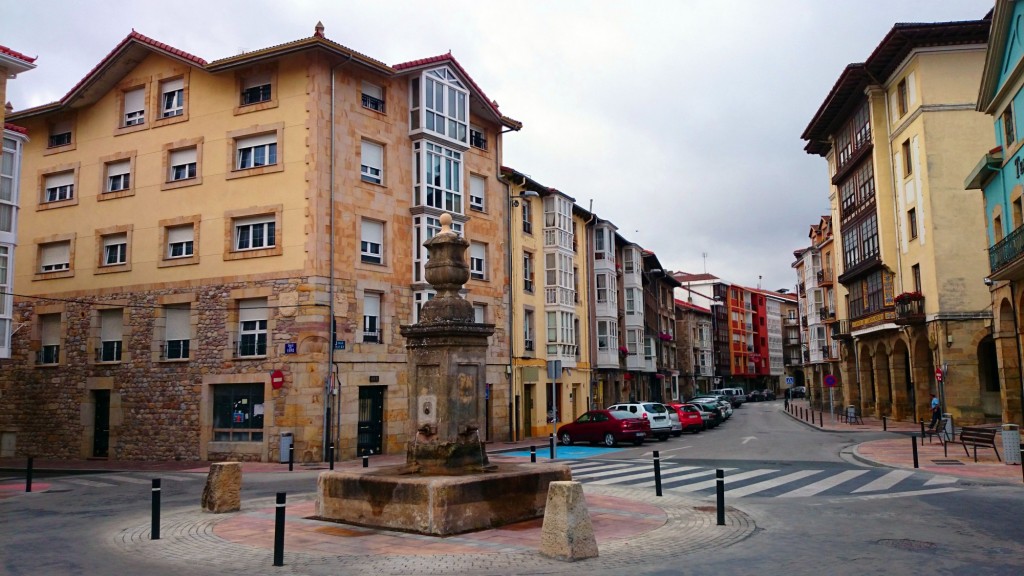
135 478
763 482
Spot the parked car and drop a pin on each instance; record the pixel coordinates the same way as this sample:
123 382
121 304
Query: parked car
798 392
755 396
677 425
606 426
768 394
654 412
722 401
713 407
736 396
689 417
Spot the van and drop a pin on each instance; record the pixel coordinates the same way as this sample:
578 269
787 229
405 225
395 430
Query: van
735 395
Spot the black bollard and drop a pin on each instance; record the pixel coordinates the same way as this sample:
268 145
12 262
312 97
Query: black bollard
154 529
885 424
913 442
330 456
720 492
279 530
922 432
551 445
533 454
291 457
657 474
28 475
366 461
821 419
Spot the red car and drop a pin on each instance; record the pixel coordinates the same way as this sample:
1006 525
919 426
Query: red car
689 417
606 426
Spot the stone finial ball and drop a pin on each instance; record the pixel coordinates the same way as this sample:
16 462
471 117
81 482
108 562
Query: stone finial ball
446 223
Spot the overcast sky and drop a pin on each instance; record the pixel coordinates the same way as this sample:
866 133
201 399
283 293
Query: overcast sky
679 120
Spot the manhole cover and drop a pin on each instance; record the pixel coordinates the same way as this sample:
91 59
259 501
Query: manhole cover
948 462
905 544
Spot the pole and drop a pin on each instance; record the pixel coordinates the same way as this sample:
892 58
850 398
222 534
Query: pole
913 443
366 461
551 446
657 474
885 423
533 454
720 492
331 456
28 475
554 415
154 528
831 404
291 456
279 530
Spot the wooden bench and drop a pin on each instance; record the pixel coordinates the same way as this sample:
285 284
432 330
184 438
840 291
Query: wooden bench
939 432
977 436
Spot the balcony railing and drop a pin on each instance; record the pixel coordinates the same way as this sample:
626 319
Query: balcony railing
841 330
375 104
1007 250
910 312
807 355
825 313
826 352
825 277
372 336
528 345
790 321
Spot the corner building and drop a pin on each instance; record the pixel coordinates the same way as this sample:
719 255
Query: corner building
215 254
899 132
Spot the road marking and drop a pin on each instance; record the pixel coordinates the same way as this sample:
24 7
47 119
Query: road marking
602 471
736 478
749 438
674 480
903 494
885 482
83 482
639 475
941 480
128 479
823 484
182 478
768 484
651 454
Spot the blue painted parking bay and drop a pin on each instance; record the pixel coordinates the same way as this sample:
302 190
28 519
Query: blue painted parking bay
567 452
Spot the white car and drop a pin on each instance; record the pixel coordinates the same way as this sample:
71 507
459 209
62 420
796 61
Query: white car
655 413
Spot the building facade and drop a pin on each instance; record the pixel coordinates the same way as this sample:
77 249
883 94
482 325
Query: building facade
818 315
214 254
896 131
695 351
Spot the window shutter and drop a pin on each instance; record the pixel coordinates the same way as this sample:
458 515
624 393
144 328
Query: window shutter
371 305
177 323
478 251
373 155
261 219
62 127
56 253
252 309
183 156
180 234
114 239
373 231
172 85
259 79
477 186
62 179
258 140
111 324
118 168
911 90
135 100
373 90
49 329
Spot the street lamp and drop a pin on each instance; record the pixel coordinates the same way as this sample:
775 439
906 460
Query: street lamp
513 419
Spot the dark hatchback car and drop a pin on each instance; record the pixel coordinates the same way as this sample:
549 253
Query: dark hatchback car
608 427
713 408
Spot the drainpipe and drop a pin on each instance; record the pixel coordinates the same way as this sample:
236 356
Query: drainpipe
1016 334
327 435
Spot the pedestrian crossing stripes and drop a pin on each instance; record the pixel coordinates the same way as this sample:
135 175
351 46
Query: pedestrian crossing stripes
110 480
677 476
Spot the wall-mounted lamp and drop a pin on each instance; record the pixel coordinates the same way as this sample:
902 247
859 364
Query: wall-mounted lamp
525 194
949 340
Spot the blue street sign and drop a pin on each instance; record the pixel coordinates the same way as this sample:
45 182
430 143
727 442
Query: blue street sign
790 380
290 348
339 344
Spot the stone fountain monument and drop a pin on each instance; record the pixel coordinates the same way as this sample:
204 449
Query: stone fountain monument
447 485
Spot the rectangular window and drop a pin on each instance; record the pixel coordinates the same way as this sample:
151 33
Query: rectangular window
371 243
55 256
912 223
111 328
60 134
478 261
441 183
631 301
446 103
252 327
135 107
9 168
49 335
528 323
901 97
58 187
172 98
256 151
373 97
602 288
1009 129
177 332
915 271
115 249
371 317
527 217
477 192
180 241
1017 207
908 165
528 272
119 175
372 169
479 313
255 233
256 89
183 164
238 412
477 138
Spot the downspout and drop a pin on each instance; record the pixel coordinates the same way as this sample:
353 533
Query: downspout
1016 333
591 315
327 436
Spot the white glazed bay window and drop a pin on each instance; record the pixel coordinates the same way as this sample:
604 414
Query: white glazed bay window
424 228
558 222
438 177
559 279
561 334
442 106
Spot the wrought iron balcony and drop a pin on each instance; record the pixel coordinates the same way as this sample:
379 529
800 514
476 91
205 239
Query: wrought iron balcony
910 312
1007 251
375 104
841 330
825 313
825 277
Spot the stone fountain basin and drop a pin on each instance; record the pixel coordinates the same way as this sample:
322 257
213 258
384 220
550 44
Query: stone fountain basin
439 505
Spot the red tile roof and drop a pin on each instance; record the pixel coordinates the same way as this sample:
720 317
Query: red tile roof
15 128
686 304
16 54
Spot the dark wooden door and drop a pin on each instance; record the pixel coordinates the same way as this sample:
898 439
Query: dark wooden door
371 420
101 424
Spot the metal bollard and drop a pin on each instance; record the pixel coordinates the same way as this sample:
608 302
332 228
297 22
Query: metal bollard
366 461
551 445
821 419
720 492
533 454
154 529
279 530
28 475
291 457
913 442
657 474
922 431
885 423
330 456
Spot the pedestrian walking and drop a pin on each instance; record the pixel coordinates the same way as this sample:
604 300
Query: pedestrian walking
935 413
